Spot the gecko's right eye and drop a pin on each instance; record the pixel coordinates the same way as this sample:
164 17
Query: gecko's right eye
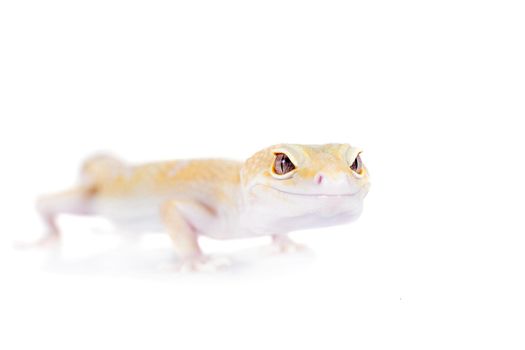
357 165
282 164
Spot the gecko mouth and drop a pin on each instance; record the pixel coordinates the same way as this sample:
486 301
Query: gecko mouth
319 195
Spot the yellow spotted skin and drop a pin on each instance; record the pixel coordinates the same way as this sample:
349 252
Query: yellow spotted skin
116 179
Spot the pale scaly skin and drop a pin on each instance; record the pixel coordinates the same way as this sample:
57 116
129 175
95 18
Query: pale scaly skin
219 198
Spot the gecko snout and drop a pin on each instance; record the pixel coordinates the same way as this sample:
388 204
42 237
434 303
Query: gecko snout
328 181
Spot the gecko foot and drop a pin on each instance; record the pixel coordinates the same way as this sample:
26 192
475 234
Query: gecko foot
51 239
283 244
203 263
200 263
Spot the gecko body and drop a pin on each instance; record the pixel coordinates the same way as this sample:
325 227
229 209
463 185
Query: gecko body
279 189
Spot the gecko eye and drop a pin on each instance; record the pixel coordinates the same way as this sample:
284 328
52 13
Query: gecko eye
357 165
282 164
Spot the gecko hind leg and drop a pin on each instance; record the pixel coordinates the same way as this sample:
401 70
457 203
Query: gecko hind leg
180 218
74 201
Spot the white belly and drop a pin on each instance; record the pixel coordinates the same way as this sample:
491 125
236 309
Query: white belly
132 214
143 214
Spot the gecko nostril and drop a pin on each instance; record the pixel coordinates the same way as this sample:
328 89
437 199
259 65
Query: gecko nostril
318 179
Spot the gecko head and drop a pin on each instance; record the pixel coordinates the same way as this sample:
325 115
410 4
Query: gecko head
301 180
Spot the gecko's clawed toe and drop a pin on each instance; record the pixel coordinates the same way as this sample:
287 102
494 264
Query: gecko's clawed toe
287 247
49 240
203 263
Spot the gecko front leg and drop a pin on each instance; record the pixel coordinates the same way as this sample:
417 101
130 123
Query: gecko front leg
179 217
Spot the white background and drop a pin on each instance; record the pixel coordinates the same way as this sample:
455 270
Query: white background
432 91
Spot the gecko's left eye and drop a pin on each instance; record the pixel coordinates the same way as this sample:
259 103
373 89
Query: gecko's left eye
357 165
282 164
